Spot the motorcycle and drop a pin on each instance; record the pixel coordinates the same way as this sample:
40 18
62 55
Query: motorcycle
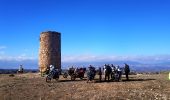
78 73
116 76
54 74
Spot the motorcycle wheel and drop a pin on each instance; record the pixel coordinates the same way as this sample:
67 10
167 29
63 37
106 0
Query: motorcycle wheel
73 77
81 78
65 75
56 79
48 79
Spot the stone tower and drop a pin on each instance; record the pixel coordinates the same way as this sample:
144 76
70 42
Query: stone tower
50 50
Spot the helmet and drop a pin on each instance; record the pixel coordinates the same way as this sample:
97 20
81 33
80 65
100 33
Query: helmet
51 66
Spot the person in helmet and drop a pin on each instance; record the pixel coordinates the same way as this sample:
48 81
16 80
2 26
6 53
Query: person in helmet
100 74
51 68
127 71
91 73
21 69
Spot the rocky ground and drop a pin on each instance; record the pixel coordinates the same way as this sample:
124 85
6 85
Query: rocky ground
31 86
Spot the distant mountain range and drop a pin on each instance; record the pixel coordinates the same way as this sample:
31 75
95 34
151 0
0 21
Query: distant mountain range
134 65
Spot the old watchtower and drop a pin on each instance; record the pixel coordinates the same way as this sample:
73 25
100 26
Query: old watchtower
50 50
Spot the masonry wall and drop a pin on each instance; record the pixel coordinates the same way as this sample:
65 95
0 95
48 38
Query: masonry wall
50 50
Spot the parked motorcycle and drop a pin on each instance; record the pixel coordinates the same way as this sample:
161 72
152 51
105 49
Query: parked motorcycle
54 74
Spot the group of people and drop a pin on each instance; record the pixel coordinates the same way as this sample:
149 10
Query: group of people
109 71
115 72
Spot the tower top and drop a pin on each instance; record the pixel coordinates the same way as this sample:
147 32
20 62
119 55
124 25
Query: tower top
51 32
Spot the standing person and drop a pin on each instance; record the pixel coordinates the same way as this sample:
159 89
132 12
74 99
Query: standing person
91 73
100 74
104 68
21 69
119 72
127 71
113 72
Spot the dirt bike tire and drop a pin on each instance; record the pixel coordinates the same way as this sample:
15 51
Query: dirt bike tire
81 78
65 76
48 79
73 77
56 79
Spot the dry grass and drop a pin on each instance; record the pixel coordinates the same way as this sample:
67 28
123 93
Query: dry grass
33 87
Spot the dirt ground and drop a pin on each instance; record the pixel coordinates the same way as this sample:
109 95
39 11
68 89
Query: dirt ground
31 86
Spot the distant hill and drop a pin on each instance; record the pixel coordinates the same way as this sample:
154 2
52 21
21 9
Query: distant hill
13 71
136 66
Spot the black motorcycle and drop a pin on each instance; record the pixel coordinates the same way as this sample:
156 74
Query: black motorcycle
54 74
116 75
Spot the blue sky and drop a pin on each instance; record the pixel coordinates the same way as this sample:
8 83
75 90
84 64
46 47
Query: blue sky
89 28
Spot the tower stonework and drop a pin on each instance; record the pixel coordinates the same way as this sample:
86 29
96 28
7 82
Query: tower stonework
50 50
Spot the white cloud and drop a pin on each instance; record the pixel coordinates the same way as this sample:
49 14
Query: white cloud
140 59
2 47
87 58
95 58
21 57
